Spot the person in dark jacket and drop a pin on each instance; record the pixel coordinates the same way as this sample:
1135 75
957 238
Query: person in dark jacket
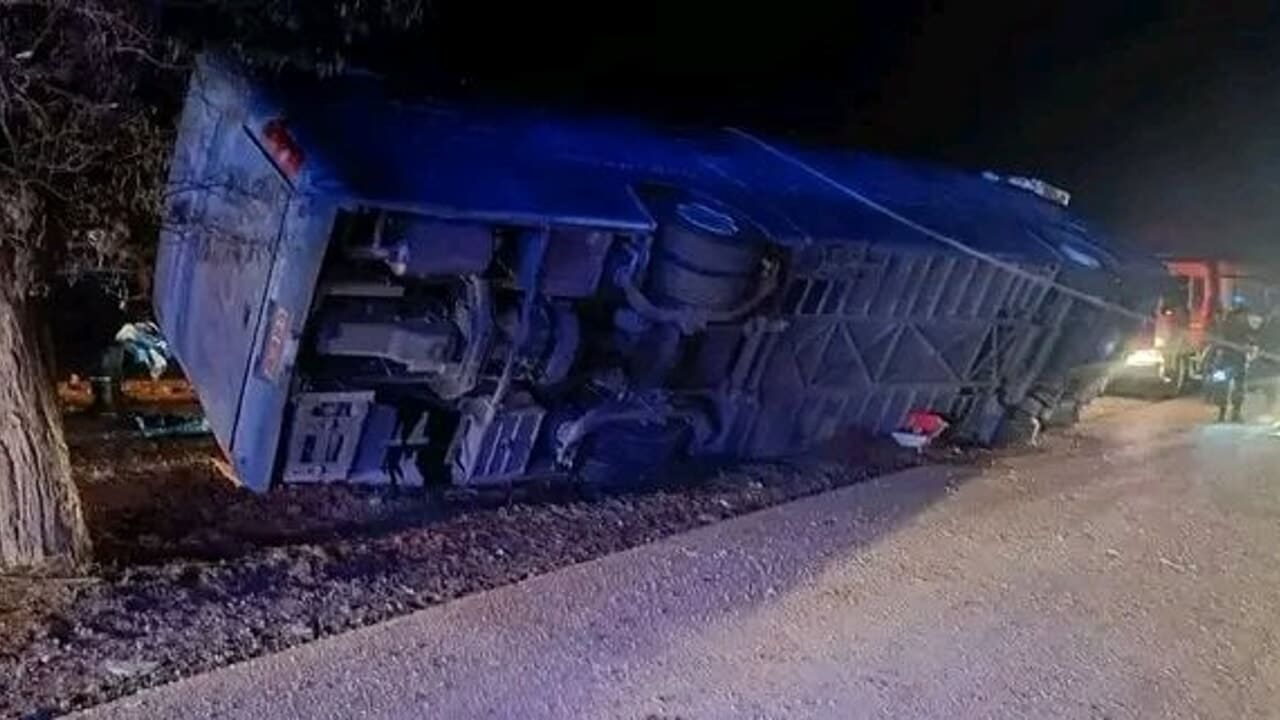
1265 370
1229 363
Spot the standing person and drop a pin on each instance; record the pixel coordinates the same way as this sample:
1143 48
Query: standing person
1266 367
1229 363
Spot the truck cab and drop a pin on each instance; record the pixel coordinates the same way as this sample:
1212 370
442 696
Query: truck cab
1169 354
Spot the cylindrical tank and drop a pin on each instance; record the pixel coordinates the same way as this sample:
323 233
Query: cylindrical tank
703 258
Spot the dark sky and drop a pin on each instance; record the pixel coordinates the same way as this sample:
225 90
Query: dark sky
1163 118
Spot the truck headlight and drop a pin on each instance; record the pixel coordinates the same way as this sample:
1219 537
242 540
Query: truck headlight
1145 357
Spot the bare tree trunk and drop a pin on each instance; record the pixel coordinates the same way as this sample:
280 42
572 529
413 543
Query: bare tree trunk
40 519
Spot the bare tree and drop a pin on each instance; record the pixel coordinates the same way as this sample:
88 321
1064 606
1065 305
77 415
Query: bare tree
89 90
81 152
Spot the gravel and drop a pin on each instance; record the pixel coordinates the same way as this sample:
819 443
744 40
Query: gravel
193 573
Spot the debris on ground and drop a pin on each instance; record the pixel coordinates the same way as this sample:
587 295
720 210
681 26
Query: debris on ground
920 429
158 425
145 347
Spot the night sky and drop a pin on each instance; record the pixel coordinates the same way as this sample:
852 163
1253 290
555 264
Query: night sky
1163 118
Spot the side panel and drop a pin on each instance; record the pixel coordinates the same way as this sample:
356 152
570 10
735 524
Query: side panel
873 333
292 282
226 204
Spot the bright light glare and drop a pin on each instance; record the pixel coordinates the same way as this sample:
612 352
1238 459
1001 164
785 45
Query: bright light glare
1219 375
1144 358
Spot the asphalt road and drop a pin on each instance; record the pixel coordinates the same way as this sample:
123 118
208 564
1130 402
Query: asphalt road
1129 571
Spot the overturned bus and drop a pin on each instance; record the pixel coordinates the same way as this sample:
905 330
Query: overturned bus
364 288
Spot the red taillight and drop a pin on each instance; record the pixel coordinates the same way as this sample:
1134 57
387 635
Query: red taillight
281 146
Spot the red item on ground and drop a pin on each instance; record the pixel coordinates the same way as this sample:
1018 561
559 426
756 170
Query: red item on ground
924 422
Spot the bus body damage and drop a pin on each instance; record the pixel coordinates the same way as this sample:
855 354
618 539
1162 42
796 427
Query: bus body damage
368 290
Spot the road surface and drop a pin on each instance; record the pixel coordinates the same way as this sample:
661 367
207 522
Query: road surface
1128 572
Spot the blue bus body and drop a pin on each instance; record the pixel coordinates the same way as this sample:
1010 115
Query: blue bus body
365 288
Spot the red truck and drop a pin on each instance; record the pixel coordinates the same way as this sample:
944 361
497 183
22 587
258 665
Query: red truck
1168 356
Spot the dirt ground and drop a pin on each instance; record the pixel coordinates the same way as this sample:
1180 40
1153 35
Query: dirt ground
193 572
1125 571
